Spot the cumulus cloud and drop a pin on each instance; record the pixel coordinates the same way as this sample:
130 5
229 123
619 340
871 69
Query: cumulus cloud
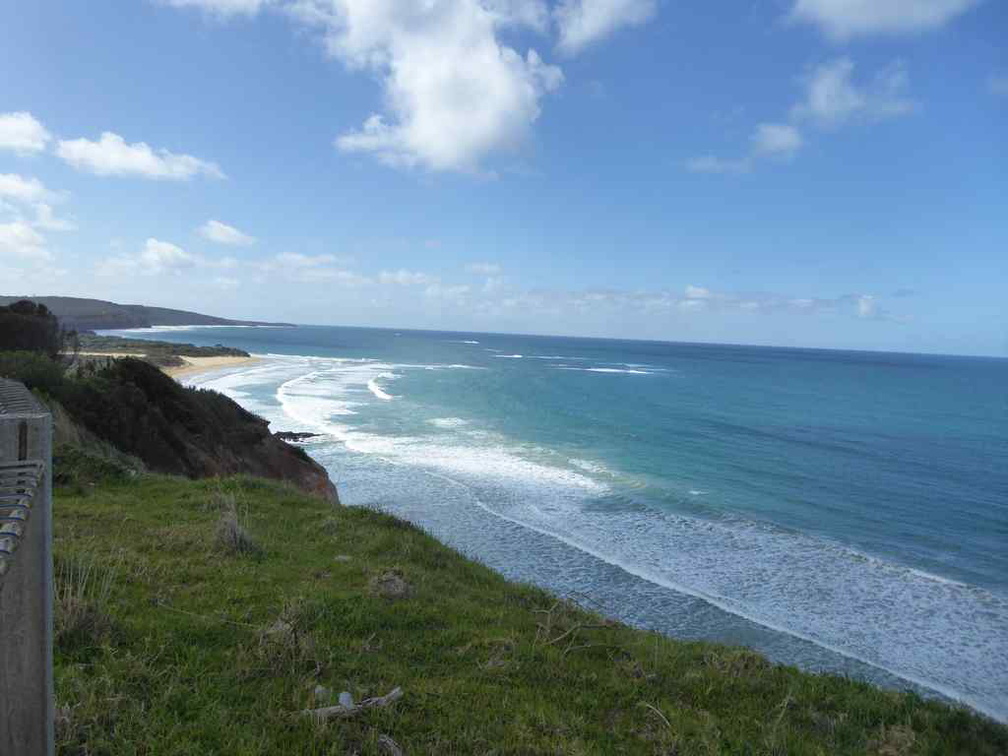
29 198
112 156
21 189
404 277
455 94
834 98
19 241
843 19
45 218
222 233
484 269
777 139
156 257
22 133
584 22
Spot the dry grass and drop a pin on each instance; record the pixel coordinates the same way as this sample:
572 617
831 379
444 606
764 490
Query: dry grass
231 534
81 590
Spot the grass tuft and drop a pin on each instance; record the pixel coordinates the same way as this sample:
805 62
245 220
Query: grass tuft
82 587
232 537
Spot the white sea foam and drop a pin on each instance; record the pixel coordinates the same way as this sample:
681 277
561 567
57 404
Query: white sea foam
510 356
625 371
377 390
589 466
447 422
697 492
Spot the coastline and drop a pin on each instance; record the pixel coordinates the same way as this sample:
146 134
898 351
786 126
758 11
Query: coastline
195 365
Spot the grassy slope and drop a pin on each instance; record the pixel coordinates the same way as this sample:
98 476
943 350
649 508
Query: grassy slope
175 658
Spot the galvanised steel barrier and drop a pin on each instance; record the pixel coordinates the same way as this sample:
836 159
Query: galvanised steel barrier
26 584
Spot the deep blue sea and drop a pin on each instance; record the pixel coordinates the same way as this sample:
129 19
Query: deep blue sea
842 511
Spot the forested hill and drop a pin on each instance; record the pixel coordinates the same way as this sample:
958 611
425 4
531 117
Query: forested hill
95 314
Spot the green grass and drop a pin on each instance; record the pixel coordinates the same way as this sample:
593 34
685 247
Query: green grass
171 643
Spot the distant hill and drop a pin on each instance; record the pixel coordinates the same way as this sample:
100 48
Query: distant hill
97 314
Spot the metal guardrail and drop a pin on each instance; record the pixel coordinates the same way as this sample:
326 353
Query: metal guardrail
26 584
19 482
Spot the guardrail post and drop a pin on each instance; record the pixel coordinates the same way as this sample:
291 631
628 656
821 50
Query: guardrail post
26 584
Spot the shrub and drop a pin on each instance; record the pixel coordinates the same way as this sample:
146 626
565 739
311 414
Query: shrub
36 371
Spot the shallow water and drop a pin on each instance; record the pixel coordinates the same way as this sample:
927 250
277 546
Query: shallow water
841 511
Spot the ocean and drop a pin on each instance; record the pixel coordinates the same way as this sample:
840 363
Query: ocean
839 511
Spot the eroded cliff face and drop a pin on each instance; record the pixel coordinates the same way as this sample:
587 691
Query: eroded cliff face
184 431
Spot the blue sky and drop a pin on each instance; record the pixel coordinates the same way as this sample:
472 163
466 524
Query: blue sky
797 172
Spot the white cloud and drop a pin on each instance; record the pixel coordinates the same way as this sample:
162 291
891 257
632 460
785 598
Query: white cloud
697 292
867 307
223 8
22 133
21 189
997 84
781 139
19 240
455 95
404 277
19 194
714 164
583 22
484 269
112 156
842 19
46 218
451 293
833 97
154 258
222 233
300 268
297 260
158 256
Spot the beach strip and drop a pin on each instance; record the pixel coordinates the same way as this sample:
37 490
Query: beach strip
202 364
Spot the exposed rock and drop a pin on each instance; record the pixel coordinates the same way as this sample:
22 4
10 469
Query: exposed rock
295 436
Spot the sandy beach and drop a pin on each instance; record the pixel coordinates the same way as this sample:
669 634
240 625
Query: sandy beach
201 364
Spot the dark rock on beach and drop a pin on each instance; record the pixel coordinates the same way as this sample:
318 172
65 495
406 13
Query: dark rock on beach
295 436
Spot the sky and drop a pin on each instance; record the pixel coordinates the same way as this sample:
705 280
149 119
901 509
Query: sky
827 173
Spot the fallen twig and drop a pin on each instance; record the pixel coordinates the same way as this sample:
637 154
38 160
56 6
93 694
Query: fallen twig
341 712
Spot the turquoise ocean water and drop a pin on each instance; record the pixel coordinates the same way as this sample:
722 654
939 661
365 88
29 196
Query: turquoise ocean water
842 511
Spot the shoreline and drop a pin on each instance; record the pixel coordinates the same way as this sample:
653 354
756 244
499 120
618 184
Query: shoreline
195 365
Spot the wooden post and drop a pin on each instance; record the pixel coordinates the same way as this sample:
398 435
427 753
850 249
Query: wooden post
26 585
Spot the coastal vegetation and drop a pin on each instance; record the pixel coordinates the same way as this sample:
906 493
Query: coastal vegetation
216 612
160 353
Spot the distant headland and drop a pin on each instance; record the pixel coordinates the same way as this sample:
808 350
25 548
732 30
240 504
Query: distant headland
97 314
